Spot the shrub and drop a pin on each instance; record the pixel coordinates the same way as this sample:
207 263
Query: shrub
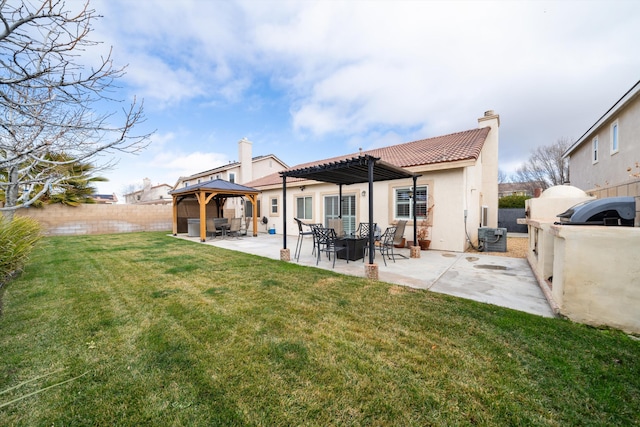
510 202
18 237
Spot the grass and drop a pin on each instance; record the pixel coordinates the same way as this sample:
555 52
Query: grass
145 329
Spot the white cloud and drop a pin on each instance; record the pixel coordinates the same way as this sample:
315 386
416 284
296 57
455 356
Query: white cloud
184 164
371 72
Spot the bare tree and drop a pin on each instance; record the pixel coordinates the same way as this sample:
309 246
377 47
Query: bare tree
502 176
50 102
545 166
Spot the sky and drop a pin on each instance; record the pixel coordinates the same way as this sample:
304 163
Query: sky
308 80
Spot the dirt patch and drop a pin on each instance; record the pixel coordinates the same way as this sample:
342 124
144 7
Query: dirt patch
517 247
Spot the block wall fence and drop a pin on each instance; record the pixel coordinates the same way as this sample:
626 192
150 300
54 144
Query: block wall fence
60 220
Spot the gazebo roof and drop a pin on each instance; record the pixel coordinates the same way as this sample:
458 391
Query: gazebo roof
220 186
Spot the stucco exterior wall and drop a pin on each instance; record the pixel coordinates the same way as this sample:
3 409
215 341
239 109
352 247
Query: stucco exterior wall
611 168
157 194
265 166
60 220
596 275
489 164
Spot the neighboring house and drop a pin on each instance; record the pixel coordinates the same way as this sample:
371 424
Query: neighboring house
149 195
608 154
246 169
531 189
105 199
457 188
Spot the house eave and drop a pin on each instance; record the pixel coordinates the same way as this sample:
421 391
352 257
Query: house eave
629 96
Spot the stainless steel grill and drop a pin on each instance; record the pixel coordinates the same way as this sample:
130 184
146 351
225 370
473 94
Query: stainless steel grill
614 211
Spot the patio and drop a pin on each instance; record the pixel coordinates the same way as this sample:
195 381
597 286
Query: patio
502 281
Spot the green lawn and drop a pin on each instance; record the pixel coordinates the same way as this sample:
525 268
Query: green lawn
145 329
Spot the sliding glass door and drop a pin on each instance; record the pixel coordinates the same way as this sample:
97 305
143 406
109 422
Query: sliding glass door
332 211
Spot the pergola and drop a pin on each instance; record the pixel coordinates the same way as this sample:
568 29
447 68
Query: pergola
217 190
363 168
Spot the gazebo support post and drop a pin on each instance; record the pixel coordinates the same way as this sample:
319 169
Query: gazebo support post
285 254
371 269
202 201
175 216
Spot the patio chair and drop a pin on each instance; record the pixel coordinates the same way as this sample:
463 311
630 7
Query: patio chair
301 234
327 242
363 232
399 235
386 244
244 229
315 240
211 227
338 226
216 227
234 227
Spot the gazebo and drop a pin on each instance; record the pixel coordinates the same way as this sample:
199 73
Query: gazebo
218 191
363 168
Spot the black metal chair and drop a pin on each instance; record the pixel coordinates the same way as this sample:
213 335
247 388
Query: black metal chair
363 232
386 244
327 242
301 234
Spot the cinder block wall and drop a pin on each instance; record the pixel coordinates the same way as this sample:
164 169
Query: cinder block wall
60 220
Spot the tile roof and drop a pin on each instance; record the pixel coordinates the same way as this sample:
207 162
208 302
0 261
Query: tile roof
453 147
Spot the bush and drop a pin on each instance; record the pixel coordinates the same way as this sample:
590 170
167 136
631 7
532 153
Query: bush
17 239
512 202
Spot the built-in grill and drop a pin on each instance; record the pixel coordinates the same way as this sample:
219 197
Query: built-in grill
615 211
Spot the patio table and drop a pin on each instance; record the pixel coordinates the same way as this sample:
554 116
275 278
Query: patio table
354 245
223 229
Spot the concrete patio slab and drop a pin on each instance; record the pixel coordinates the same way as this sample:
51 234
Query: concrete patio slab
502 281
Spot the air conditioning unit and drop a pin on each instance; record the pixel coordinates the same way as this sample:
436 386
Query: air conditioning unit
492 239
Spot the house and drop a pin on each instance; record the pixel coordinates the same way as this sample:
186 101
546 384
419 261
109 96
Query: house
607 156
246 169
105 199
149 195
530 189
457 188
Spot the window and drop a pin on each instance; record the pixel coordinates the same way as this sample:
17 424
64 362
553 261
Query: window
614 137
404 204
594 149
304 207
232 177
248 208
274 205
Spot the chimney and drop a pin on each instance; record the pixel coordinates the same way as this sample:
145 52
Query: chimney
246 164
489 164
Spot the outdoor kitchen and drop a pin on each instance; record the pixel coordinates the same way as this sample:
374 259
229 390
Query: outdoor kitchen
584 253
